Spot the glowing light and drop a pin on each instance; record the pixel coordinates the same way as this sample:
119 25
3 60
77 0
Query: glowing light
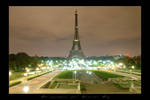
112 62
26 89
28 70
32 73
40 65
75 40
37 69
10 73
124 66
132 67
82 61
25 74
90 72
127 54
75 72
87 72
120 64
43 68
104 62
95 62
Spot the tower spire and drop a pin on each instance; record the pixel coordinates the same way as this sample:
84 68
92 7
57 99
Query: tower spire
76 37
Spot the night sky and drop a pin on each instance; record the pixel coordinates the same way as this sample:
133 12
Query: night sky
49 30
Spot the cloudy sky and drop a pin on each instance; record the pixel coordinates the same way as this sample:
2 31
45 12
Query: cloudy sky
49 30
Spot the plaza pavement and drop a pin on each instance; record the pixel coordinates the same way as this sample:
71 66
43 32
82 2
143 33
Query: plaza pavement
33 84
128 75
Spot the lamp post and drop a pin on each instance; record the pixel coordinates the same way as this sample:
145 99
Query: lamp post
27 70
132 67
37 69
10 73
75 74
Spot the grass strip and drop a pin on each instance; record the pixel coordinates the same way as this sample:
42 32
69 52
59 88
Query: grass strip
65 75
105 75
15 83
16 75
53 85
36 76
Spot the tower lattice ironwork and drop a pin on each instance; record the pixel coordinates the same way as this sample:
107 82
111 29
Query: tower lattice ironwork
76 51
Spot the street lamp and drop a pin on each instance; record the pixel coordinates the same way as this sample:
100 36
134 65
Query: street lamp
75 74
124 66
87 72
37 69
10 73
28 70
26 89
132 67
90 72
120 64
25 74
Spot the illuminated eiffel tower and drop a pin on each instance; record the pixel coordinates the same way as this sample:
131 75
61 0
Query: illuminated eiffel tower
76 51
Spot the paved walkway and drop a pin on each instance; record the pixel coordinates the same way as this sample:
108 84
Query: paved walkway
33 84
128 75
25 78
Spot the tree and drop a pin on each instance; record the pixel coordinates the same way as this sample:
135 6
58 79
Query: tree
19 61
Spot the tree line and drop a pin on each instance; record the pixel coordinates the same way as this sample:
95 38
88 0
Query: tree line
21 60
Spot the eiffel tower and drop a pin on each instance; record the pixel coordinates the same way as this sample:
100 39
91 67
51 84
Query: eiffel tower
76 51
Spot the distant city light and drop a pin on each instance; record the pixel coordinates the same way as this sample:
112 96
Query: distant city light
95 62
104 62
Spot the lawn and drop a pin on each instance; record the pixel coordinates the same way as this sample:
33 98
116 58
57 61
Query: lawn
65 75
16 75
105 75
53 85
